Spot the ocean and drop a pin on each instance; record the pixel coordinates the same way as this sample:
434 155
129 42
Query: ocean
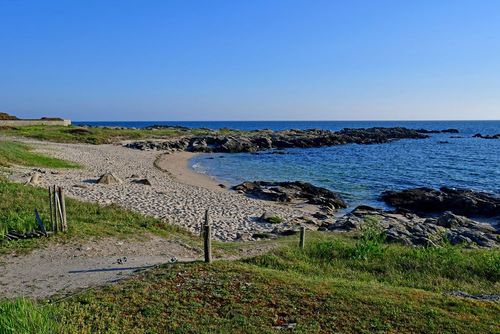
360 173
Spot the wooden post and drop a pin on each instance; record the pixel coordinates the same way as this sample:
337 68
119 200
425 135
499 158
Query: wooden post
64 223
207 236
54 207
207 243
302 237
51 213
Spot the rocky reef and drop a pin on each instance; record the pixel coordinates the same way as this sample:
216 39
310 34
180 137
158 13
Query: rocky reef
413 230
478 135
267 139
459 201
293 192
438 131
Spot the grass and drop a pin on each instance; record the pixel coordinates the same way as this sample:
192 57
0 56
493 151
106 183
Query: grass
447 268
325 288
85 220
98 135
13 153
24 316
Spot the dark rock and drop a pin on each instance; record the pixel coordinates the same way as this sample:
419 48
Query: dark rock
145 182
438 131
418 231
478 135
459 201
223 186
321 216
238 142
292 192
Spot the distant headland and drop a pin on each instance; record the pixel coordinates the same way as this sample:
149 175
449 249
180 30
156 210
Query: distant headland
10 120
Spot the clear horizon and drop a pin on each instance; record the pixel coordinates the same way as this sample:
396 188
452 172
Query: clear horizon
260 61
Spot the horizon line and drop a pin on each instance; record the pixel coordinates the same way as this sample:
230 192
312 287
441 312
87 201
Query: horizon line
306 120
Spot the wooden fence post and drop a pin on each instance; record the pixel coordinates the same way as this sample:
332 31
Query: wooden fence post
302 237
55 201
51 213
207 242
62 204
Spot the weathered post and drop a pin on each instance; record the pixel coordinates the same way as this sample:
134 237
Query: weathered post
55 202
207 242
302 237
64 223
51 213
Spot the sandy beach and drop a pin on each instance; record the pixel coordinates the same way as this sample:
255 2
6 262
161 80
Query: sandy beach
177 194
177 165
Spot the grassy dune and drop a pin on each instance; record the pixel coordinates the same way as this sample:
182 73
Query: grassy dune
13 153
75 134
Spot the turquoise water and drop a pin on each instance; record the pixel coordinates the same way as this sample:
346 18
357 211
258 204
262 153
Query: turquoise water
361 172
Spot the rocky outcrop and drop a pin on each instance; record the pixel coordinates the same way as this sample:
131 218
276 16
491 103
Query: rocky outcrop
413 230
438 131
478 135
267 139
293 192
459 201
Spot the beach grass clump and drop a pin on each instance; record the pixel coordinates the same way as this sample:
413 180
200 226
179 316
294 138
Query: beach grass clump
274 219
14 153
24 316
85 220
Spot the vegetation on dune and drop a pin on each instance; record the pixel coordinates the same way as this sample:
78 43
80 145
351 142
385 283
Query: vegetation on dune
262 296
94 135
13 153
85 219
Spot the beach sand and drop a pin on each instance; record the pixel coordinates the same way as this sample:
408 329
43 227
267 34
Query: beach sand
177 195
177 164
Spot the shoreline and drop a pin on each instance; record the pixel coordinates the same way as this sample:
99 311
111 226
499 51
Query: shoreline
177 165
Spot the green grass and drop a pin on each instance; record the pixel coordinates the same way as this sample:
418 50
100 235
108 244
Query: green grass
446 268
325 288
84 219
75 134
23 316
13 153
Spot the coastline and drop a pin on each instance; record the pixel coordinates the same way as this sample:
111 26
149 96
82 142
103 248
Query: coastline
177 165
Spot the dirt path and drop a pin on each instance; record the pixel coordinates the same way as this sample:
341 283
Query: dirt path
64 269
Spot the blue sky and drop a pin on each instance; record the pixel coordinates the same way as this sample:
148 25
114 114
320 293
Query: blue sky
250 60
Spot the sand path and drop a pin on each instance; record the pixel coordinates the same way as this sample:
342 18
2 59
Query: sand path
68 268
